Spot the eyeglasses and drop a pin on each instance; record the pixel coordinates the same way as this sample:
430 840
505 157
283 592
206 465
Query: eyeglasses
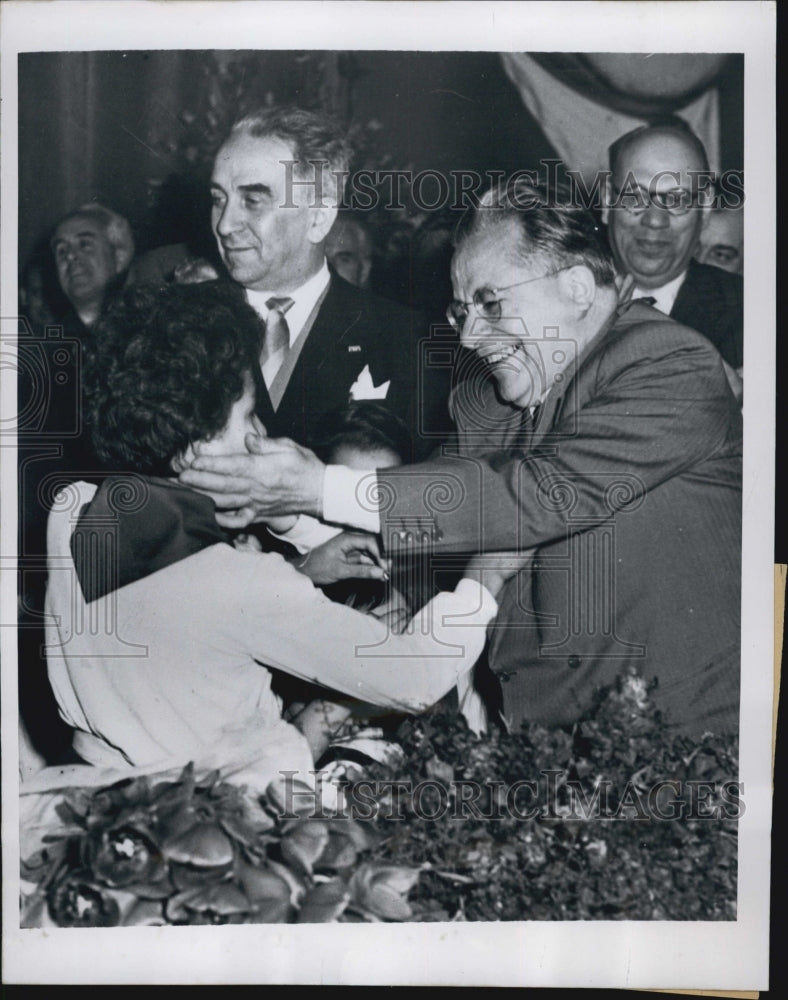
486 302
677 201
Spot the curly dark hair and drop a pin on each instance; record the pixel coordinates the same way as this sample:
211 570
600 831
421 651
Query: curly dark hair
368 425
163 370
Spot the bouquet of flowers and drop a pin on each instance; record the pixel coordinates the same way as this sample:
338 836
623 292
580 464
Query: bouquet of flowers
203 851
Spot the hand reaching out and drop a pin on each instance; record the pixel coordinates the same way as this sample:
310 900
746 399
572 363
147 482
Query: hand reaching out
349 555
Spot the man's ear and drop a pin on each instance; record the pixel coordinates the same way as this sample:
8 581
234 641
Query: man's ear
123 256
578 286
321 220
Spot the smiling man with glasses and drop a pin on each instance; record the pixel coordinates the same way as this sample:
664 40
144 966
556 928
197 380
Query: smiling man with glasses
658 205
626 489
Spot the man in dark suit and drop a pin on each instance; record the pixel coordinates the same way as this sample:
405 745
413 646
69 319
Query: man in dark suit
658 202
605 440
711 301
276 185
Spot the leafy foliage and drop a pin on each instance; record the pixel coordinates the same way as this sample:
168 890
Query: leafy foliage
557 852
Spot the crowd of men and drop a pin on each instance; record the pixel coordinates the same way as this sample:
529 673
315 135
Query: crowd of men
595 423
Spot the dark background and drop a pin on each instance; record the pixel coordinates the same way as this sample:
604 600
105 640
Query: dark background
137 130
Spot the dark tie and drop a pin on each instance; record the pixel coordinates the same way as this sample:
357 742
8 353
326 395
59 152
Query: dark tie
277 336
646 300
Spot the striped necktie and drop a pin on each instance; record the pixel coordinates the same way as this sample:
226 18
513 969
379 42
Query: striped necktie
277 337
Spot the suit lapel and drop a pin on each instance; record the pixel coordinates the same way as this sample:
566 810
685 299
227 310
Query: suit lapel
331 326
684 308
551 410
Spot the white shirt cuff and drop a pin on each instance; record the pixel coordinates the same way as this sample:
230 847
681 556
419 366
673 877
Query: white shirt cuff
307 533
351 497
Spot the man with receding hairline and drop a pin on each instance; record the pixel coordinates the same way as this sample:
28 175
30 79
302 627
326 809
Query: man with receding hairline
276 188
658 202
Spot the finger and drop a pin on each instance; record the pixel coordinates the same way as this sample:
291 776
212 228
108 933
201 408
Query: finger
228 501
359 571
239 465
235 520
356 558
216 483
363 543
269 446
254 443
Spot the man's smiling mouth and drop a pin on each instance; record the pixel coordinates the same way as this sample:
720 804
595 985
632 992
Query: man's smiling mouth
501 354
652 249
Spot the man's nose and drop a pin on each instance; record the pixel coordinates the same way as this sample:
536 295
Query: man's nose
655 217
473 330
227 219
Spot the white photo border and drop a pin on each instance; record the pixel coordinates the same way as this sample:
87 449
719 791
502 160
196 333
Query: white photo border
670 955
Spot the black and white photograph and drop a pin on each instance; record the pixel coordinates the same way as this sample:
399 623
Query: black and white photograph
388 430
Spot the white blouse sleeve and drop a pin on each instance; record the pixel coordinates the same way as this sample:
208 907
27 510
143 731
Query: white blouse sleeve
292 626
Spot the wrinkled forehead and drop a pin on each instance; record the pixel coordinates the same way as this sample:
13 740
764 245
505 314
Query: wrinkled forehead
250 159
652 159
488 256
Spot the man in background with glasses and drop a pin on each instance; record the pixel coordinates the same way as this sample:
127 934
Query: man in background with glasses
603 438
659 200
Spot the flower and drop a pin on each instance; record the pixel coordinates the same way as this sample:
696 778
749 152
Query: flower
201 851
123 856
76 901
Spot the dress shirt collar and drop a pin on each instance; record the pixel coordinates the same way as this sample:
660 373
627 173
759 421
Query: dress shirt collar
304 300
665 296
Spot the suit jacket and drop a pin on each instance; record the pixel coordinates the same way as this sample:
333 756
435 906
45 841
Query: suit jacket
628 491
712 301
354 329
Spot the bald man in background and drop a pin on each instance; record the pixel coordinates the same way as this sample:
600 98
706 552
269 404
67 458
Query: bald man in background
657 207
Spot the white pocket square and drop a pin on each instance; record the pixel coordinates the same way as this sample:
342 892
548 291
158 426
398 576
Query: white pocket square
364 388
